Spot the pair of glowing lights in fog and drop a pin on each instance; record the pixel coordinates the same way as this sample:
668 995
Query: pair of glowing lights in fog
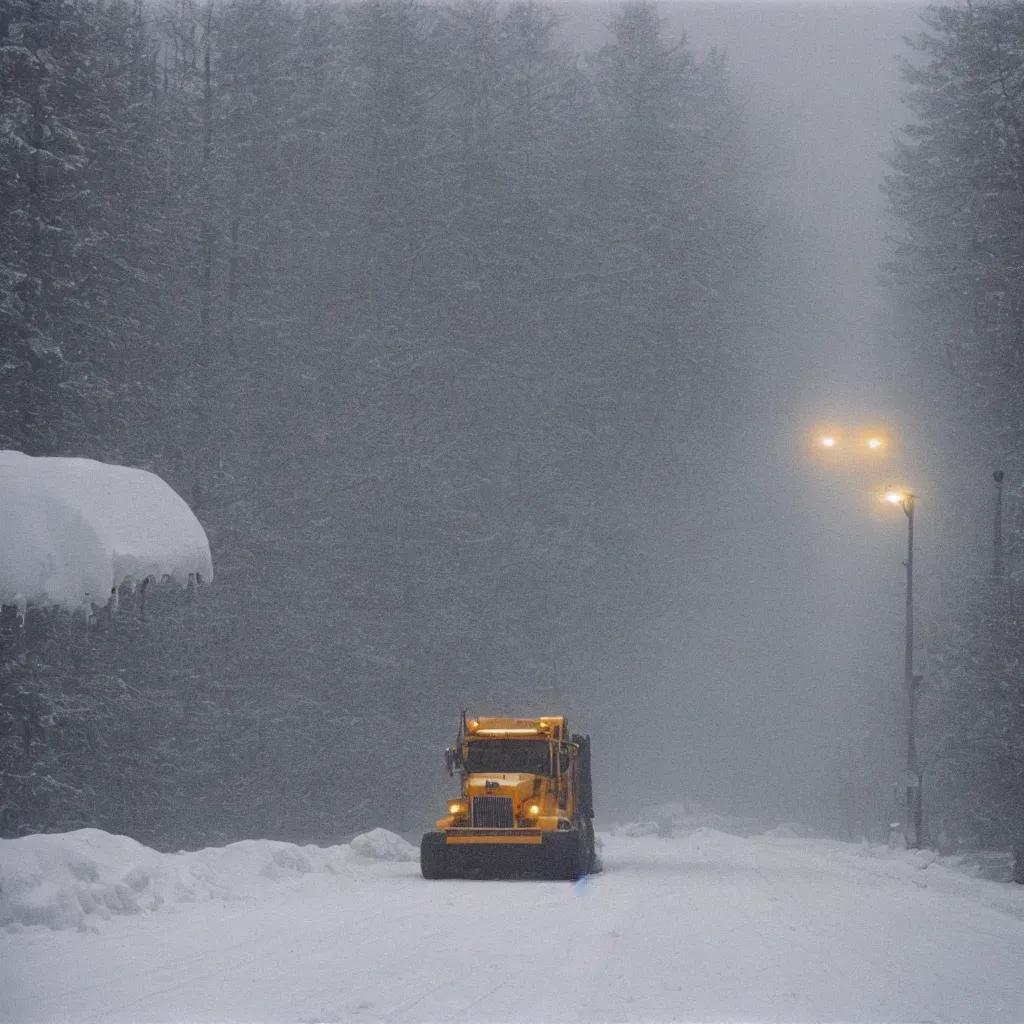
873 443
832 441
458 807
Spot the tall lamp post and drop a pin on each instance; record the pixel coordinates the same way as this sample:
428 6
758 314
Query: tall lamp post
997 532
911 682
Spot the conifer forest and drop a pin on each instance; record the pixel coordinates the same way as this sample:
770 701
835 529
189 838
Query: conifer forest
453 330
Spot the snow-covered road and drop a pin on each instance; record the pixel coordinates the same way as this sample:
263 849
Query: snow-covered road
705 927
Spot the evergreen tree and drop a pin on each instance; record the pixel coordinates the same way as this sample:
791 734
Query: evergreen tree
425 315
955 188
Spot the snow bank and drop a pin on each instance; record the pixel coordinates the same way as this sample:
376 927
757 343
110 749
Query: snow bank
984 878
925 869
380 844
65 880
55 880
73 530
666 819
636 829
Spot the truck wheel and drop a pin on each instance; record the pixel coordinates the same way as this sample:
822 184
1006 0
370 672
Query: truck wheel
564 855
434 855
578 858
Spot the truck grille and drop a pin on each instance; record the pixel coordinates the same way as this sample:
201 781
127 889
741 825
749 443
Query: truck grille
492 812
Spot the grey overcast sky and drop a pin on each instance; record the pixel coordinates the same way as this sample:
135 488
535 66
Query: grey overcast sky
791 653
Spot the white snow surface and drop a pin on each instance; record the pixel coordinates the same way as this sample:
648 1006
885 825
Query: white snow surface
702 926
72 879
73 530
381 844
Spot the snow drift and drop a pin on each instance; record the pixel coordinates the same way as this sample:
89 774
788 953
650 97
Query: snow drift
380 844
73 530
699 926
63 880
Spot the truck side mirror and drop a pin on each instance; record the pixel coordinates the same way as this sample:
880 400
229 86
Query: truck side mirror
453 759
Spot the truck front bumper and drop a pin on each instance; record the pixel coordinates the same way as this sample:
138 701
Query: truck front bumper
483 836
501 853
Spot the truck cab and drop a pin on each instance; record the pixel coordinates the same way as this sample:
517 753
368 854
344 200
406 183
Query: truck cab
525 804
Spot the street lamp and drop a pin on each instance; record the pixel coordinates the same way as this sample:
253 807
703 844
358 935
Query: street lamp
997 534
914 819
851 443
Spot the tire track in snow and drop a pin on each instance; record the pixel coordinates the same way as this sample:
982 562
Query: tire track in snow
704 927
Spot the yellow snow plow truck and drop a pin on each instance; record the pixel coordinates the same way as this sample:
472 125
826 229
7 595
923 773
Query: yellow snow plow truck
525 803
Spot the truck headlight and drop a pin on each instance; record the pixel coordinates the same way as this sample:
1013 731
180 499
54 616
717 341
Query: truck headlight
456 808
533 810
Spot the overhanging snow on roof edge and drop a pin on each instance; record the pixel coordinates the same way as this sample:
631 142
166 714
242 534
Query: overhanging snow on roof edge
73 530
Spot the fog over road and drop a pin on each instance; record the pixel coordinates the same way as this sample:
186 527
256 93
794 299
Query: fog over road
706 926
779 670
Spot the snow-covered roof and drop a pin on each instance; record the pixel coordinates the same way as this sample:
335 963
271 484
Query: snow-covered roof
73 530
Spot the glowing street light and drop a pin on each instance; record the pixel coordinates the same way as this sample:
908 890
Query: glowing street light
853 443
905 499
874 440
857 452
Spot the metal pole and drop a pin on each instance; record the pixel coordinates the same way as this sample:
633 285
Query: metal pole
910 682
997 536
908 654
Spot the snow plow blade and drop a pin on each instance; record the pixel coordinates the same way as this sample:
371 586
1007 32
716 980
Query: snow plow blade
548 855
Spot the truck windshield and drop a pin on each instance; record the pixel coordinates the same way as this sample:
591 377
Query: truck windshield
531 757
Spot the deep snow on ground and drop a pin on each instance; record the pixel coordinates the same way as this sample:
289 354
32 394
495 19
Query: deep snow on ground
703 926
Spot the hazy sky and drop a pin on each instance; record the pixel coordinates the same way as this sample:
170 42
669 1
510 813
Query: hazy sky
794 640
